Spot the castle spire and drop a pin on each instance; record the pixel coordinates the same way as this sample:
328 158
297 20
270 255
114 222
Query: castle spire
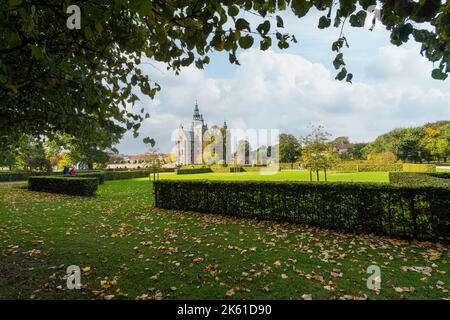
197 115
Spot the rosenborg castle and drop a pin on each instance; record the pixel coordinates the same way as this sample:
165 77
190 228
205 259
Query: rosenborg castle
190 143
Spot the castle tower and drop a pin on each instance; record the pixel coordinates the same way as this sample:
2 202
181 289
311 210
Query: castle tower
198 128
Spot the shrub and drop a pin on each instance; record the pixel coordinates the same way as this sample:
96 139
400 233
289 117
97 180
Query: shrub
419 179
193 170
419 212
416 167
72 186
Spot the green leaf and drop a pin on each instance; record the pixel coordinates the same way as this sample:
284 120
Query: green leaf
438 74
266 43
233 11
338 61
280 23
246 42
242 24
341 75
349 78
358 19
324 22
301 7
264 28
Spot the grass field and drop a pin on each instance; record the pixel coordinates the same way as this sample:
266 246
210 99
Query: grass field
288 175
127 249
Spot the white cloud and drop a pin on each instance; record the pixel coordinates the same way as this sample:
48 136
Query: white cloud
288 92
398 62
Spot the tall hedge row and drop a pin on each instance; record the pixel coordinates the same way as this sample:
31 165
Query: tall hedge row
417 212
419 167
64 185
364 166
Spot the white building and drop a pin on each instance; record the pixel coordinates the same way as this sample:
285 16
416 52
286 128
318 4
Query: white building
190 143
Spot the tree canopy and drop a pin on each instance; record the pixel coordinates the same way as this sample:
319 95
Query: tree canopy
83 81
428 142
289 148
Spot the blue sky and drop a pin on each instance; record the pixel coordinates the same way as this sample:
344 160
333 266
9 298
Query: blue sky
291 89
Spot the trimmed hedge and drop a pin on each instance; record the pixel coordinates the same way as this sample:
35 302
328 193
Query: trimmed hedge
372 167
419 167
416 212
366 166
419 179
23 175
193 170
72 186
121 175
13 176
443 175
100 176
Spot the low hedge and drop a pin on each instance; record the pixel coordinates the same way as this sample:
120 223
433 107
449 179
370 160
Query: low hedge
443 175
419 167
72 186
23 175
121 175
13 176
193 170
366 166
100 176
373 167
419 179
416 212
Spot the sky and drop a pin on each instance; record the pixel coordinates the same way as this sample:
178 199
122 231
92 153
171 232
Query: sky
292 89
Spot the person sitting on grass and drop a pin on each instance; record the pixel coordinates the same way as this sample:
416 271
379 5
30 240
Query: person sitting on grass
65 170
72 171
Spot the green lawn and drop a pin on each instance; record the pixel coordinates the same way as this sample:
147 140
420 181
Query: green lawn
290 175
129 249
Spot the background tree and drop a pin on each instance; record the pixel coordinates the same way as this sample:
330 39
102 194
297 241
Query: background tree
8 158
339 141
317 153
31 155
82 81
288 148
417 144
356 152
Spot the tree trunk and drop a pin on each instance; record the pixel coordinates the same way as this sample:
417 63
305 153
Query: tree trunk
310 175
317 176
325 172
